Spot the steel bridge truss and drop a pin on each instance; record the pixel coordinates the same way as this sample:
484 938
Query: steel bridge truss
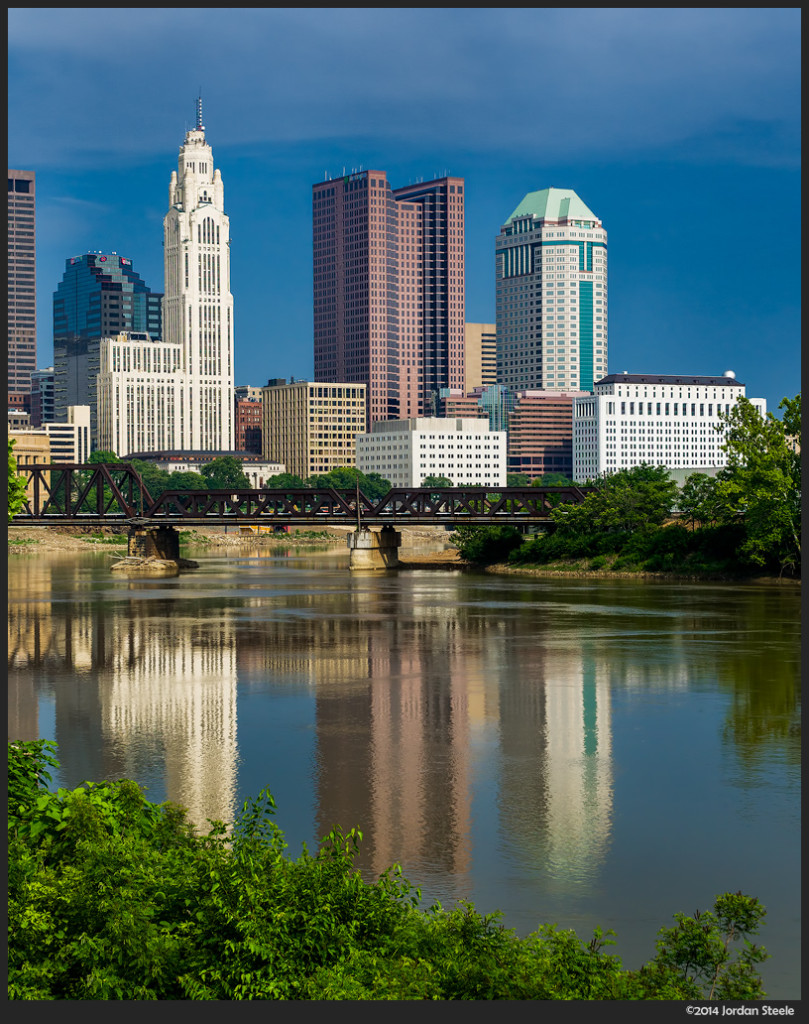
78 493
115 494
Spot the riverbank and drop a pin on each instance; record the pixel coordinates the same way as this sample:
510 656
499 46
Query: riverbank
42 539
421 546
556 570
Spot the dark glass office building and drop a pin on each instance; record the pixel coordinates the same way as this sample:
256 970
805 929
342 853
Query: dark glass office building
99 296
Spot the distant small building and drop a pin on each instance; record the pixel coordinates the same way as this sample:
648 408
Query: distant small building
42 397
19 401
539 424
64 442
247 420
540 433
405 452
31 448
256 469
70 442
18 419
247 393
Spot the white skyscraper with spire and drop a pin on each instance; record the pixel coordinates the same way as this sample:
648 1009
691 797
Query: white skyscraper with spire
197 304
178 394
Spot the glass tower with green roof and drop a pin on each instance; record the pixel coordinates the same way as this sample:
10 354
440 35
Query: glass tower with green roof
551 287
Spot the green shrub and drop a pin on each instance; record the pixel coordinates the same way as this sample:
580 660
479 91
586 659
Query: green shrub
484 545
114 897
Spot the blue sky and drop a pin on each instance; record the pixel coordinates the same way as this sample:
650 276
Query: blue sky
678 127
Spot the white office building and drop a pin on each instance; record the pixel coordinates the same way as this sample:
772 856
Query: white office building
551 286
670 421
465 451
141 389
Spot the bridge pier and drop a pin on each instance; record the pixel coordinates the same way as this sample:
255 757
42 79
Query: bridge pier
369 550
154 542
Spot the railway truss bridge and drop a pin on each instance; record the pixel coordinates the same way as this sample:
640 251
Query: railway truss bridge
115 495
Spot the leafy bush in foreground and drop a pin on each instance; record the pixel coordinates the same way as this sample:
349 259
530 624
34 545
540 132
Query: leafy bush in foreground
114 897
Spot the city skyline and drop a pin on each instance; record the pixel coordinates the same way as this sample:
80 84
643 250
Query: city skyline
679 127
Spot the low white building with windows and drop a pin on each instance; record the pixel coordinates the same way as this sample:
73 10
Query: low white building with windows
257 469
670 421
405 452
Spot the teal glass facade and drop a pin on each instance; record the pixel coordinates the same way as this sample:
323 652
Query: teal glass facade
102 295
586 335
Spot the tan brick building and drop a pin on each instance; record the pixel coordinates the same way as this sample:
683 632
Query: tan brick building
312 427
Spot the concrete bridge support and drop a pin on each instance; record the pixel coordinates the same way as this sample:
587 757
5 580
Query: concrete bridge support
369 550
154 542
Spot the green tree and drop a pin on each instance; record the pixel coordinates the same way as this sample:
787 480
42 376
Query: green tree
551 480
702 951
185 480
761 484
16 485
375 486
285 480
345 478
631 499
224 473
341 478
155 479
697 500
437 481
102 458
517 480
485 545
111 896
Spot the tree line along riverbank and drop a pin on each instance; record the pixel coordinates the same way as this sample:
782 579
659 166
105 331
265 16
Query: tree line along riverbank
742 523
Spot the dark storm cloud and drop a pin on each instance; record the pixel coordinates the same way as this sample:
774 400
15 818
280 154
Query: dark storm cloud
606 84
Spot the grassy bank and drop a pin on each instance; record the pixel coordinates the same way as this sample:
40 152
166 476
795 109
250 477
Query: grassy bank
584 568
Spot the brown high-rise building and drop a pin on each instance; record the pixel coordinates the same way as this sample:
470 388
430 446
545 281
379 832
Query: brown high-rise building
22 289
388 282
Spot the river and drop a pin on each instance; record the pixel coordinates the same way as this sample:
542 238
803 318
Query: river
589 752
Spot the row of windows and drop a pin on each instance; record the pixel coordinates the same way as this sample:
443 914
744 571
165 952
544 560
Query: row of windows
584 409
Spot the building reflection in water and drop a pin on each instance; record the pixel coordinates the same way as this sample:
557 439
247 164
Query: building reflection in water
555 715
139 692
409 687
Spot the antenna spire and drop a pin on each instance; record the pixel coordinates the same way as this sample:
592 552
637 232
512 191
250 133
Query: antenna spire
200 125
